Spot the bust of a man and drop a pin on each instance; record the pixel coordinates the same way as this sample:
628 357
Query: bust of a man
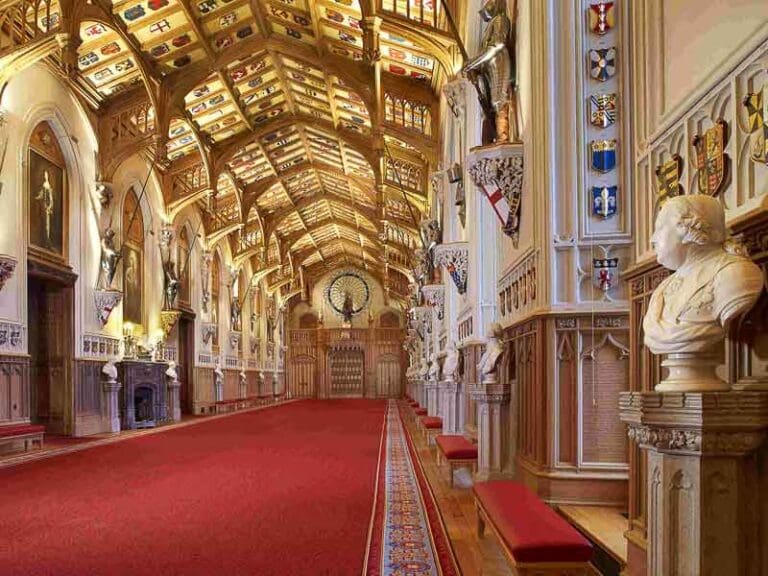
493 351
711 286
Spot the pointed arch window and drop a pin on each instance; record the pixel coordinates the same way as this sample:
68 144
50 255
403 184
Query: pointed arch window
133 260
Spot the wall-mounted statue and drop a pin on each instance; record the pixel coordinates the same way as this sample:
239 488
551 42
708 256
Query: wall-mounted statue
170 285
451 362
493 74
689 312
110 257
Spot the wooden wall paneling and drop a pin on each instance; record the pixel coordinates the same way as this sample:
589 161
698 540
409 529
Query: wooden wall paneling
205 394
470 355
90 400
252 379
14 389
231 384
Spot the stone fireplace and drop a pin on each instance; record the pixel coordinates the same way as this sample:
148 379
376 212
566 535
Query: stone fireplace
143 397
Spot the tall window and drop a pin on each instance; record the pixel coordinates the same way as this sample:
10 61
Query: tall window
47 195
182 262
133 260
215 289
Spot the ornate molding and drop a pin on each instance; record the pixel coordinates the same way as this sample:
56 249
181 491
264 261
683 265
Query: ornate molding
434 296
96 346
11 337
454 257
500 175
168 319
106 301
7 268
517 288
733 423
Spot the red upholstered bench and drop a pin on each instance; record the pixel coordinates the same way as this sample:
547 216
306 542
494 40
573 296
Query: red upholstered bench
418 411
534 537
21 438
432 426
457 451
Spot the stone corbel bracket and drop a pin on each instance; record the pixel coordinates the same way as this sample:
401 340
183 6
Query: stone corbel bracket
712 423
7 268
106 301
434 295
454 257
209 329
499 170
234 339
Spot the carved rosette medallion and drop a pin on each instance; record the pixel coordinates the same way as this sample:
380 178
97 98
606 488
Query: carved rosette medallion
434 296
501 179
7 268
168 319
106 301
454 257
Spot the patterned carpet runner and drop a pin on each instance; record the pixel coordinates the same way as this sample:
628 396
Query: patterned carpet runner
407 537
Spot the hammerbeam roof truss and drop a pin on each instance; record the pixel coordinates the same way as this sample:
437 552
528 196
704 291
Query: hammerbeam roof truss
307 127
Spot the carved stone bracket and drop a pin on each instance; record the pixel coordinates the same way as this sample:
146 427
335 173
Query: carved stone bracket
498 171
209 329
422 316
7 268
106 301
456 96
434 295
168 319
454 257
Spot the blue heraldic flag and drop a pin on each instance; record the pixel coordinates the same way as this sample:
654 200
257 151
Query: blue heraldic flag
604 200
603 155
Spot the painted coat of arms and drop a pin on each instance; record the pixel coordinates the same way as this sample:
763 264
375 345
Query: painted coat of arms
756 104
711 159
668 179
602 63
604 201
602 110
605 271
603 155
601 17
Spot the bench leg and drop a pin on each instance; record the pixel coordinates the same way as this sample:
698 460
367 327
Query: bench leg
452 472
480 523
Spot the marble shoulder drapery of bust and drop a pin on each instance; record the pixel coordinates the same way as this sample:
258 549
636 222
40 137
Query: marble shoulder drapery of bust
711 285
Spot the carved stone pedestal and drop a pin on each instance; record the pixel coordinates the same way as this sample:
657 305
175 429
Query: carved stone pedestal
431 397
449 406
703 478
492 402
173 396
111 389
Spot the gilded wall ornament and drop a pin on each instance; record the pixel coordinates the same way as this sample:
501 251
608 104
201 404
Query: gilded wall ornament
668 179
756 104
602 63
602 110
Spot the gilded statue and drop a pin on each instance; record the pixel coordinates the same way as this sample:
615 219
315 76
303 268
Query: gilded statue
493 74
689 312
45 197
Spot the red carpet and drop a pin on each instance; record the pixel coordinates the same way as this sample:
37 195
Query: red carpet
284 491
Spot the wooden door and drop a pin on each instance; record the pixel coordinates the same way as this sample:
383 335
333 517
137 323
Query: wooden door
186 364
345 373
50 347
388 377
301 377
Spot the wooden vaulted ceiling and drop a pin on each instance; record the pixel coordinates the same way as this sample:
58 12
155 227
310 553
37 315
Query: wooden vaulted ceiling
304 130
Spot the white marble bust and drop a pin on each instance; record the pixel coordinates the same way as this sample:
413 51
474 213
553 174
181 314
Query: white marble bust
711 286
434 368
493 351
451 362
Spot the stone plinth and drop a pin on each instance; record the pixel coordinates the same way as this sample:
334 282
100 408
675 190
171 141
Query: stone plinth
431 397
492 400
702 477
449 406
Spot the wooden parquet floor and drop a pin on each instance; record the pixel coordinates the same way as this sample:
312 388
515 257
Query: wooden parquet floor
476 556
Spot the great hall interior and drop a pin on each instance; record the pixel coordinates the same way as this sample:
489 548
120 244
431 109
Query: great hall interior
384 287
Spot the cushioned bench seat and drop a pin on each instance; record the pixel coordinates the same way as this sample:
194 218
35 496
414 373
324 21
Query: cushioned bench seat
457 451
420 411
534 537
20 437
431 422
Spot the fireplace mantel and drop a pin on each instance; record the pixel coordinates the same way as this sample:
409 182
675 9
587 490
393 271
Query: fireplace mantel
145 379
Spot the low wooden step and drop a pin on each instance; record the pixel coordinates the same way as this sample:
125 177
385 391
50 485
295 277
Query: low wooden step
604 526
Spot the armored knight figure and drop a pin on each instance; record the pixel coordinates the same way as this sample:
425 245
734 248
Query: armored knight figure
493 351
712 286
235 313
109 259
171 285
493 73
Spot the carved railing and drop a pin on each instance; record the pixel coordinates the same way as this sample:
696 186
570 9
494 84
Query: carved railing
190 181
27 21
407 114
422 12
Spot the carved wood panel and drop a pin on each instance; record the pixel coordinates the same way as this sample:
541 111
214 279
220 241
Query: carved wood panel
14 389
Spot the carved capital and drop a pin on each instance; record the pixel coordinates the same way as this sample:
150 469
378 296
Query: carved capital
7 268
454 257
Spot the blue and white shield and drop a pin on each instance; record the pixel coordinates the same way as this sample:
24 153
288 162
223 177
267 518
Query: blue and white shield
603 155
604 201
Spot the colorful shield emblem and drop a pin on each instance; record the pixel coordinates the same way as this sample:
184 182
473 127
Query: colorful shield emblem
602 63
605 271
602 110
603 155
756 104
711 159
601 17
668 179
604 201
